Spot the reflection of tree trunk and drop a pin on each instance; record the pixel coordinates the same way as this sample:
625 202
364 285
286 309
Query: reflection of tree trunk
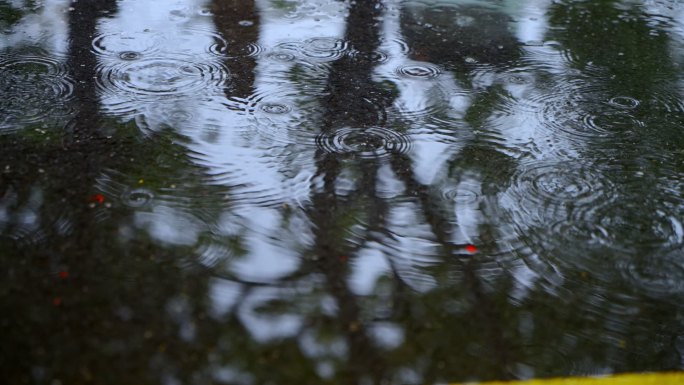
354 99
349 85
85 148
363 358
228 15
50 336
82 63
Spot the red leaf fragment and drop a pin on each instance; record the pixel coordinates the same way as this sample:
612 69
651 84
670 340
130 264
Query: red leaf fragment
471 248
99 198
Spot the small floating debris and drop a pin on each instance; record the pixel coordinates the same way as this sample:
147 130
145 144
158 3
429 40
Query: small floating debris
97 198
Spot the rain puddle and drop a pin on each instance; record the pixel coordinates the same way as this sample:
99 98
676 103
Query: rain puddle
353 192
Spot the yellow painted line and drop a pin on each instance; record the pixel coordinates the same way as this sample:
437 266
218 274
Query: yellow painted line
621 379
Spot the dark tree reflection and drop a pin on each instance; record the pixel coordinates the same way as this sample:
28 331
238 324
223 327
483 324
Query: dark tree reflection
624 88
353 100
238 23
83 305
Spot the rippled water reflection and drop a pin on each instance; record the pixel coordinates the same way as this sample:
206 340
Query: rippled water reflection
316 191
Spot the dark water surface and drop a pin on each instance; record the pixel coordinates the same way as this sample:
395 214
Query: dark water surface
330 192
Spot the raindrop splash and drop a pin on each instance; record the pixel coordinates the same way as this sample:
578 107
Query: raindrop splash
419 71
374 142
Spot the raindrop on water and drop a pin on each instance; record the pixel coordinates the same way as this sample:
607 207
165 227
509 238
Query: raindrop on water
282 56
153 77
129 55
115 44
364 142
419 71
624 102
137 197
323 48
33 87
275 108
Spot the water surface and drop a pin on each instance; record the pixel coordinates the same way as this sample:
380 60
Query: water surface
324 192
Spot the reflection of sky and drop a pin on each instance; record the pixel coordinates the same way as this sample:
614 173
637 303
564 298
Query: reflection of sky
229 141
230 136
429 153
46 28
532 22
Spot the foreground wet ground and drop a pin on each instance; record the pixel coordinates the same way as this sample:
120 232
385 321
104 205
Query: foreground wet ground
312 192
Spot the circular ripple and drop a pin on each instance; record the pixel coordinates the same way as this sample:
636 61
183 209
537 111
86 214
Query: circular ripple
377 57
608 124
419 71
31 66
162 76
564 246
114 44
627 233
623 102
545 184
32 88
282 56
553 208
136 198
324 48
270 103
466 193
254 50
630 225
578 118
655 274
668 101
275 108
364 142
129 55
180 116
281 115
402 45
